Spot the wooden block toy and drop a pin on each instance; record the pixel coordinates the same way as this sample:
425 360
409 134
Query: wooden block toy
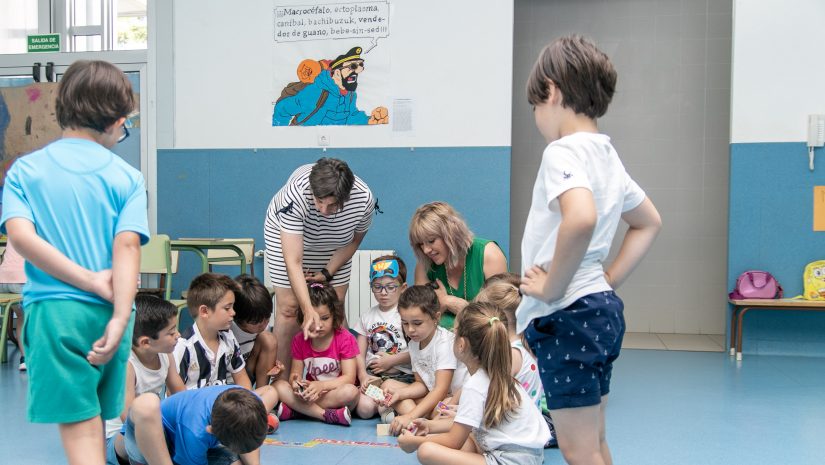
382 429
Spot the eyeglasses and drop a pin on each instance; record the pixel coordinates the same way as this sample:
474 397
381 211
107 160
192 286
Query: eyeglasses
355 66
390 288
126 125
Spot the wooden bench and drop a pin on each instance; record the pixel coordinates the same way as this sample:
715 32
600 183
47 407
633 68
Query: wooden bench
741 307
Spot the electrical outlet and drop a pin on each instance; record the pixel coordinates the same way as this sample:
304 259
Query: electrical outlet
323 140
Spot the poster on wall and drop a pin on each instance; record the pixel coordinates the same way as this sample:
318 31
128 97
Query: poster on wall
331 64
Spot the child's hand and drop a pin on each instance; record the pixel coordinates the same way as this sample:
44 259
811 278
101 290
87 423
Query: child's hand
445 410
533 282
393 395
104 348
381 363
312 391
101 284
407 442
399 423
276 370
367 381
297 384
419 427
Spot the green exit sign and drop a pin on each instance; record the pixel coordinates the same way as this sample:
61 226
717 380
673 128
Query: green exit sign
44 43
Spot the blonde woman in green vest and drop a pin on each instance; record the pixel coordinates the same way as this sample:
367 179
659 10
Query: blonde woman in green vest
449 255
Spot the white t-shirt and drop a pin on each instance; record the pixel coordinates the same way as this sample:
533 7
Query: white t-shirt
528 374
246 341
584 160
384 334
438 355
146 380
199 366
524 427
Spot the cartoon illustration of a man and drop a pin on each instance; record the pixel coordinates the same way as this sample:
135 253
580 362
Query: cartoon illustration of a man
326 95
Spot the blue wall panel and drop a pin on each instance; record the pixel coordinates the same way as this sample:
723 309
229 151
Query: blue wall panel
771 228
225 193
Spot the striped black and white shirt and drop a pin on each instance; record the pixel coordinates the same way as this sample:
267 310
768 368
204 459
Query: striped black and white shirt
292 210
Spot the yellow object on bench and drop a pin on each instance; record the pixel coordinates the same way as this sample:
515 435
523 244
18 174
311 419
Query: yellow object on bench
740 307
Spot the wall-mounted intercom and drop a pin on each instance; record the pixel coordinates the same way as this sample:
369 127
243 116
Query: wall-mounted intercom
816 136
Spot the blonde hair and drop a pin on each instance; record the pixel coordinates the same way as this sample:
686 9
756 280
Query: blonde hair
484 327
503 295
440 220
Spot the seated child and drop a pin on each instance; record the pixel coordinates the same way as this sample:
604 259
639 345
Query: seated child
151 367
207 353
253 309
12 279
437 372
502 291
380 336
215 425
508 427
328 392
506 297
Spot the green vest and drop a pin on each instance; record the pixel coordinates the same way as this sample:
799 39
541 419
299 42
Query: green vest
470 282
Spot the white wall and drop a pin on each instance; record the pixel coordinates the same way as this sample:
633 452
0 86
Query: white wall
778 69
453 58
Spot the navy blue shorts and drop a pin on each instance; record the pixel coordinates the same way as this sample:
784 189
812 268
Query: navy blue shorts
575 348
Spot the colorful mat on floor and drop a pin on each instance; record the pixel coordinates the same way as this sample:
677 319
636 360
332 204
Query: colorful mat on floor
332 442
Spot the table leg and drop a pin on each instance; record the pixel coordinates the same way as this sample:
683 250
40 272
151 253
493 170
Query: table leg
739 321
733 330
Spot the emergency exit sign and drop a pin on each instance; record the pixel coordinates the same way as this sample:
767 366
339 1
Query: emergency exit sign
44 43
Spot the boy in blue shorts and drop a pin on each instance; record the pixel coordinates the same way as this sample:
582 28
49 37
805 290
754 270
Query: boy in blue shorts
571 317
77 213
214 425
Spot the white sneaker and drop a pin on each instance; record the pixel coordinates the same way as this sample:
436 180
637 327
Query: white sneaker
387 416
22 366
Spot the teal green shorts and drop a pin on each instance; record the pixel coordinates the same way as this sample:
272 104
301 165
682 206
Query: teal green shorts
63 386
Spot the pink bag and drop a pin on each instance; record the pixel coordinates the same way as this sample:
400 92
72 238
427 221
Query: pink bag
756 284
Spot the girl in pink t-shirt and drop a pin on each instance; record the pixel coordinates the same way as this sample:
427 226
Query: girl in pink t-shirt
322 379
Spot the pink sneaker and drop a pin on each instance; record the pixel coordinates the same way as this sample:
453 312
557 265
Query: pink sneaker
339 416
285 413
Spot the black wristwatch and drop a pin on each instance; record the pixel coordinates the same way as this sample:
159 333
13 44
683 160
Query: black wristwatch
326 274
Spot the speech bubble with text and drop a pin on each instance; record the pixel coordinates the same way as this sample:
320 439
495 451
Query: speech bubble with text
369 20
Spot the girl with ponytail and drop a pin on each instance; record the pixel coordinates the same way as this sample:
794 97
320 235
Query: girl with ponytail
508 427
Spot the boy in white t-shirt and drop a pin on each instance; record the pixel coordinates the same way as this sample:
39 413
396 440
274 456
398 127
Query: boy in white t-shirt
151 367
251 328
381 338
208 354
570 315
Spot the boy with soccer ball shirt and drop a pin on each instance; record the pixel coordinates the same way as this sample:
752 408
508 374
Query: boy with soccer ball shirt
380 336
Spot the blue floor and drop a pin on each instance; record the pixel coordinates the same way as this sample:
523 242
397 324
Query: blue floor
666 407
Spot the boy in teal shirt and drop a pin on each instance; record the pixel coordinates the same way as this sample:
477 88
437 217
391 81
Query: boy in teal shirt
77 213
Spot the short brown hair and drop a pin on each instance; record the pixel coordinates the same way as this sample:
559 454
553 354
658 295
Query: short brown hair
253 303
93 94
324 294
331 177
583 73
439 219
422 296
208 289
239 420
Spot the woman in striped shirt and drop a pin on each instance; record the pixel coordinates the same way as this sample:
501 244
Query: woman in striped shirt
313 226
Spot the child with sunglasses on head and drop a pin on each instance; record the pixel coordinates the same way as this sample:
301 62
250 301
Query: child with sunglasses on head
380 336
328 391
507 426
437 372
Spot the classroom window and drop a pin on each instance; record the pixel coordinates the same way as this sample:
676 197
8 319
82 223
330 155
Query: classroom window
83 25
